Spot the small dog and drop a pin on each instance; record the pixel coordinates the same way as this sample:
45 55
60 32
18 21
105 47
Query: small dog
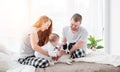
67 48
66 58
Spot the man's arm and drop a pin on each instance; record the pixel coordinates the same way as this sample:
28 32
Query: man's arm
78 44
81 42
62 52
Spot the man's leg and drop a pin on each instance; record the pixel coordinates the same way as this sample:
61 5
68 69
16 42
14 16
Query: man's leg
78 53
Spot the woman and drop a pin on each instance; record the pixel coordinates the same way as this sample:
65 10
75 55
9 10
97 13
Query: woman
33 40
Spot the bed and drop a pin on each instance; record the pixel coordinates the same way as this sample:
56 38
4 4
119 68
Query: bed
97 61
80 67
93 62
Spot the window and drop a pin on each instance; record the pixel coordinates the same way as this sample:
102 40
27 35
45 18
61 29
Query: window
17 15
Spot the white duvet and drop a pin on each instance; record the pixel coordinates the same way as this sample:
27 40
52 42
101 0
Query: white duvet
99 56
8 64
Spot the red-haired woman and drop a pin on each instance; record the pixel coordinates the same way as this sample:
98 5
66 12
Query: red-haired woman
33 40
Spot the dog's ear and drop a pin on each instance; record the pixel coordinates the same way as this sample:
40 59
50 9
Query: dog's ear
70 45
65 46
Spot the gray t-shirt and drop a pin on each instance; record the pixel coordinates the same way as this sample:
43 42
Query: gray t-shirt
80 35
26 48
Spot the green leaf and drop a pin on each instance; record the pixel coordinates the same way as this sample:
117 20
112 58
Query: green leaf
99 47
88 45
98 40
94 44
92 39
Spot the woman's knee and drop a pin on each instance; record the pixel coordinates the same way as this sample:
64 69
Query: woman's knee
21 60
36 62
42 63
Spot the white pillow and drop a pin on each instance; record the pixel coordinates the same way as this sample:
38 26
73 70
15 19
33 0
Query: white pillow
4 62
5 59
2 49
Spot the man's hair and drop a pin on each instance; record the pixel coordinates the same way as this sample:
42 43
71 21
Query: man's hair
53 37
77 17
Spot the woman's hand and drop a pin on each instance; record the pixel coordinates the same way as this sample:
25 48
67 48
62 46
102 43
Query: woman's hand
62 52
52 53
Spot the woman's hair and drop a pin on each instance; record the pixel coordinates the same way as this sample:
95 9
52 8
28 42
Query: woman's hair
43 35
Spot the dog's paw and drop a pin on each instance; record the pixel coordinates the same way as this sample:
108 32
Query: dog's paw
68 62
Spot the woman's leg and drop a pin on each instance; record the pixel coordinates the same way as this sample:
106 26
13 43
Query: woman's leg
34 61
78 53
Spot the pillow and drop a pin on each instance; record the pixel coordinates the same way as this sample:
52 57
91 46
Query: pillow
4 62
5 59
5 51
2 49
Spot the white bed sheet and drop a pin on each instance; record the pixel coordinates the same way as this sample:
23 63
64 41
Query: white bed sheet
11 65
99 56
8 63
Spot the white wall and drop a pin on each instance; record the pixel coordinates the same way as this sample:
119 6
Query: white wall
115 27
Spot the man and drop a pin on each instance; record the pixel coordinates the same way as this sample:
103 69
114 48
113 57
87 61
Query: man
76 36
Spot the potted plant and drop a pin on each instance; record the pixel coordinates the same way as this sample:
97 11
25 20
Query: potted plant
94 43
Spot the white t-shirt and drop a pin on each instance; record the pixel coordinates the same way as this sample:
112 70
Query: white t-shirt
48 47
80 35
26 48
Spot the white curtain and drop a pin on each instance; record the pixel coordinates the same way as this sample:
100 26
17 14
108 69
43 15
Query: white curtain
16 15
